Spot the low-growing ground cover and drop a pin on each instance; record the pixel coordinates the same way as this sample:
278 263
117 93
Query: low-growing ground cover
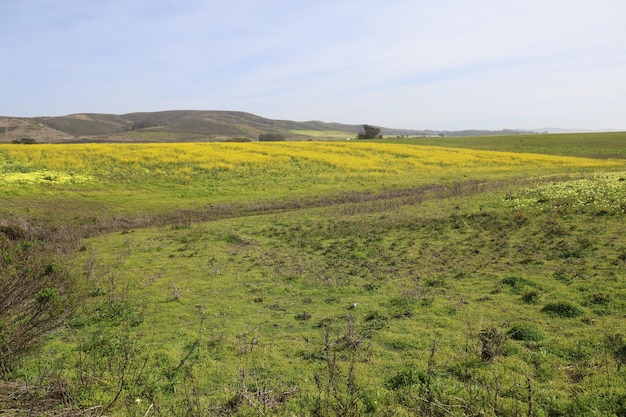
463 306
493 298
595 145
336 134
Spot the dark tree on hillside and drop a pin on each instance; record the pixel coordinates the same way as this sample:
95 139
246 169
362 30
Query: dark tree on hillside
369 132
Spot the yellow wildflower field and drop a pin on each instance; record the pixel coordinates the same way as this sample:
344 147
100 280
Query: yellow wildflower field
330 161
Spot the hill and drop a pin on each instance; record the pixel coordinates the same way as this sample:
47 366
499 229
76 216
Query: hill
184 126
166 126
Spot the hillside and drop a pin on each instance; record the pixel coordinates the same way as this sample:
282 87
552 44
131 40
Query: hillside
185 126
182 125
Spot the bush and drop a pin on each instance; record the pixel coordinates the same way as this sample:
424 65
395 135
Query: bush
271 137
36 296
525 331
563 309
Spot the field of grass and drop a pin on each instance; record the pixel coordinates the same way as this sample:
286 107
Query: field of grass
323 134
595 145
127 180
344 279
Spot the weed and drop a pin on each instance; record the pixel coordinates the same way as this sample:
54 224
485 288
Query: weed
491 341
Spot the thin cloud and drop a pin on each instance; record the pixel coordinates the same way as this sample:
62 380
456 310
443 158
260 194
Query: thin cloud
416 64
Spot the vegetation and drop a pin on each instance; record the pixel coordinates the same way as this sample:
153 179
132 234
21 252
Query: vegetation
595 145
167 126
93 182
271 137
35 296
369 132
319 279
321 134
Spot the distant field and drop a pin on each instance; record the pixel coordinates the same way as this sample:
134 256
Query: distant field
323 133
592 145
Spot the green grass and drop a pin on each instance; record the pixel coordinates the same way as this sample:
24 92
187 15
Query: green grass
592 145
492 298
258 293
140 180
324 134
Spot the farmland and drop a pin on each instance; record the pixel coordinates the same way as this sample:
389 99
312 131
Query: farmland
326 278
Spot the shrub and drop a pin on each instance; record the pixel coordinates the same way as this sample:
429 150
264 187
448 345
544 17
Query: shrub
563 309
271 137
525 331
36 296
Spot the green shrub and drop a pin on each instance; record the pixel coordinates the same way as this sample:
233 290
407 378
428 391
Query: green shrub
36 297
525 331
563 309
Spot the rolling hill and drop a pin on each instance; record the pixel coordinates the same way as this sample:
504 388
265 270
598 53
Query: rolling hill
166 126
184 126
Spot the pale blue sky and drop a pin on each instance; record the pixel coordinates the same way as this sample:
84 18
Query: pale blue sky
422 64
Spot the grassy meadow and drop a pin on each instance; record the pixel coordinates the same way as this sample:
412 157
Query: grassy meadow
123 179
595 145
326 278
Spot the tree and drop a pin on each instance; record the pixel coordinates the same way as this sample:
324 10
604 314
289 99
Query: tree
369 132
271 137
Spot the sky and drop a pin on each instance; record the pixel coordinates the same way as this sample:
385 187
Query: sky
414 64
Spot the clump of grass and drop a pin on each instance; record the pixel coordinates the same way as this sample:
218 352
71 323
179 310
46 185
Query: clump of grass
526 332
531 296
600 298
517 282
562 309
304 316
406 378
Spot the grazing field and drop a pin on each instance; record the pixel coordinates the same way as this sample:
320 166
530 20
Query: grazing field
595 145
323 133
122 179
327 279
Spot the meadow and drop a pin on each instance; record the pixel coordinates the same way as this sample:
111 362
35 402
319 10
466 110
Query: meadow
125 179
320 278
595 145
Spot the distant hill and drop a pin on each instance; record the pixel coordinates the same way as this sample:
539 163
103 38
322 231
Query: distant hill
166 126
182 126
